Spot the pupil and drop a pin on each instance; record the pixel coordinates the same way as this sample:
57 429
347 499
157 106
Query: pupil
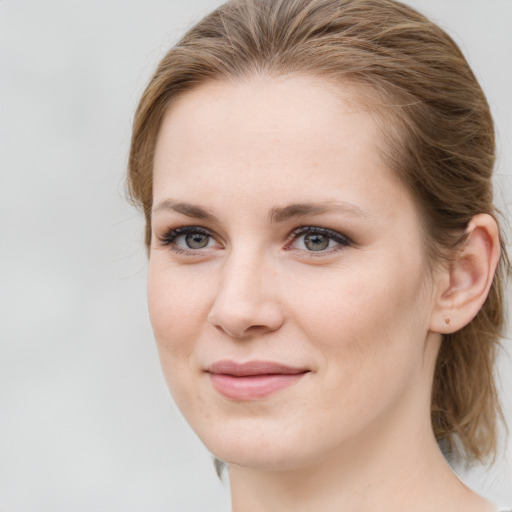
316 242
196 240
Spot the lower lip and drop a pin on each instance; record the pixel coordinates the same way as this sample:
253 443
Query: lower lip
254 386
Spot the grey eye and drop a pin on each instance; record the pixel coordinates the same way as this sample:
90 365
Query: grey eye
197 240
316 241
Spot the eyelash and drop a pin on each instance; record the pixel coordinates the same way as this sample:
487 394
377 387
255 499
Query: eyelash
342 240
169 239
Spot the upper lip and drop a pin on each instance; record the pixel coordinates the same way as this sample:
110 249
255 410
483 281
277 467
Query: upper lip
250 368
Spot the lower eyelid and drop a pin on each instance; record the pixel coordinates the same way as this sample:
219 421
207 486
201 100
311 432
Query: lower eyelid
323 252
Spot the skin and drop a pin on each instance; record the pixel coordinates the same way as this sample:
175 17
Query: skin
365 317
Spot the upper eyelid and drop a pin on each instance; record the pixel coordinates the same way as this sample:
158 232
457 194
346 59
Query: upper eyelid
181 230
295 231
318 229
169 235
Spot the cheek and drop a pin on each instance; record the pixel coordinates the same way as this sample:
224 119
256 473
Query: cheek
176 311
178 307
359 299
369 329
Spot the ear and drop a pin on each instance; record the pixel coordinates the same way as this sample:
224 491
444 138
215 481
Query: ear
464 285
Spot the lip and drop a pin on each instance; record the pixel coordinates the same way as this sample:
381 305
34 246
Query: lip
252 380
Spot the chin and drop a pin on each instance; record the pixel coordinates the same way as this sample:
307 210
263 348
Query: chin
269 458
265 447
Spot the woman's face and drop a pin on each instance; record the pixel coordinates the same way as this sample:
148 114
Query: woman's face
288 289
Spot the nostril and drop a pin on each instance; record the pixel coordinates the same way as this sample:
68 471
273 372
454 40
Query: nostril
239 326
241 333
245 318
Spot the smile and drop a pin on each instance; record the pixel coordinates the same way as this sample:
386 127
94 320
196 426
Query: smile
252 380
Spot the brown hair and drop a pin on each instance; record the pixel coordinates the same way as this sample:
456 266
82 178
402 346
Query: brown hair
441 145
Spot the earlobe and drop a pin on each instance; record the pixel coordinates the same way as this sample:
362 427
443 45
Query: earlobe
468 278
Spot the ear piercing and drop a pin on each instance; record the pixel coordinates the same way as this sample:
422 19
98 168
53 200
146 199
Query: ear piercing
447 321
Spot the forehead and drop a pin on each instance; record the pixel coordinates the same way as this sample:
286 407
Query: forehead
265 102
266 138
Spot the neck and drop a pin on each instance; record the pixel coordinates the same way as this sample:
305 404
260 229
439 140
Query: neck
416 478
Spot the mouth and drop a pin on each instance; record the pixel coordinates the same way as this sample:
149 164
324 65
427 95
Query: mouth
252 380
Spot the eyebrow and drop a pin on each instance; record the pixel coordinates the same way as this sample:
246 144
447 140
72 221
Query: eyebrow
277 214
282 214
188 209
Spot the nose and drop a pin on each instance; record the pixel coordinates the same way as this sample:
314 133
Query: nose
246 303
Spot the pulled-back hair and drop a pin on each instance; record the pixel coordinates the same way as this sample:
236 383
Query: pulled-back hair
437 133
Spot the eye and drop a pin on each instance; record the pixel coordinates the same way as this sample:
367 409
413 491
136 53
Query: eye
189 239
194 240
318 240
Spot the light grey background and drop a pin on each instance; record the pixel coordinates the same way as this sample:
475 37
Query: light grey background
86 422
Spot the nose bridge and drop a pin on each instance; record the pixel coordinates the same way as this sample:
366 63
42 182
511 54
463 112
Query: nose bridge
245 302
242 274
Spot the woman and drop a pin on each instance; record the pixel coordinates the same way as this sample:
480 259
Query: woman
325 265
